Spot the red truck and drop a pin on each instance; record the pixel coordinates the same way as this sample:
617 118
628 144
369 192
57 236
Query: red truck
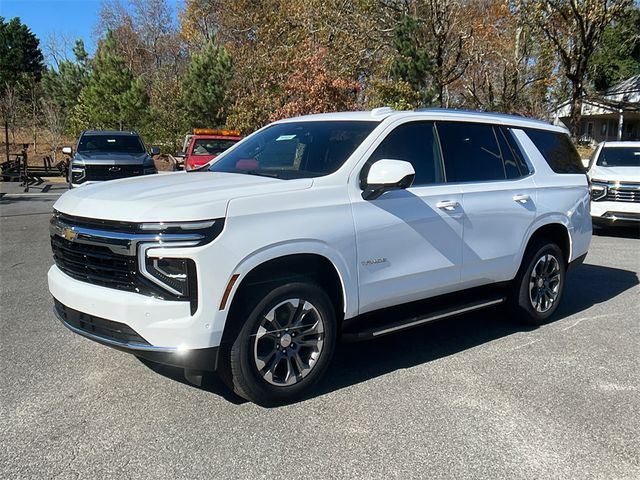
205 144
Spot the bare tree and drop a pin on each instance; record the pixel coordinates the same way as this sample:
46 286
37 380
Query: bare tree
575 28
443 19
146 33
57 47
507 71
10 106
55 119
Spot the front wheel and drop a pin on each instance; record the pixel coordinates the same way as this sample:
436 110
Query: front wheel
285 344
539 285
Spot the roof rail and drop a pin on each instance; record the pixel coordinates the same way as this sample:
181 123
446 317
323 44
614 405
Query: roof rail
505 116
381 111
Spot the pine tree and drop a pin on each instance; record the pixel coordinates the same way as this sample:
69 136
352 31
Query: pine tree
63 85
414 63
112 97
618 56
21 65
205 87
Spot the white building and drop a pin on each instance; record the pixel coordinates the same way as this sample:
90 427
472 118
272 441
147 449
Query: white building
612 115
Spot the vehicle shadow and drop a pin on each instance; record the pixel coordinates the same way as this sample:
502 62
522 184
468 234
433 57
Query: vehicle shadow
210 382
587 285
354 363
618 232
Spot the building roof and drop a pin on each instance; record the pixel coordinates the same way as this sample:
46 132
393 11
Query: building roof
624 96
630 85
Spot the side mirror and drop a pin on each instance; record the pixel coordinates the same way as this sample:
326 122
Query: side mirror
67 150
385 175
181 154
585 163
155 151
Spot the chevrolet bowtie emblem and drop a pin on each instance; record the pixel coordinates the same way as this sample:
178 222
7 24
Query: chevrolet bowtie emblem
69 234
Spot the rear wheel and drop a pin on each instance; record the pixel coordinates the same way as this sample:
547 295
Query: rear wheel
539 285
285 344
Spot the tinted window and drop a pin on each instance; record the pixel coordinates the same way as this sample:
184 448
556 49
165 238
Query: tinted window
296 149
515 150
557 150
110 143
416 143
470 152
511 168
619 157
210 146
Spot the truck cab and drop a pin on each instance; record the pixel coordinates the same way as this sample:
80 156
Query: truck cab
206 144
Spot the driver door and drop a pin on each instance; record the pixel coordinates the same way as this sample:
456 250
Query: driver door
409 242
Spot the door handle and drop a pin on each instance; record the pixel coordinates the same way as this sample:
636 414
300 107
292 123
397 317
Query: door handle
448 205
521 198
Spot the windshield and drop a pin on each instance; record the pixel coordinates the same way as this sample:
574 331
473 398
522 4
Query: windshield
208 146
619 157
110 143
296 149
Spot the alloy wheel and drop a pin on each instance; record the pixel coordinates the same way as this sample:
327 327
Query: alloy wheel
288 342
544 283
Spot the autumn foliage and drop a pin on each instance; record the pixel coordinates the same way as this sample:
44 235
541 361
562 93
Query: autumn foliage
312 88
244 63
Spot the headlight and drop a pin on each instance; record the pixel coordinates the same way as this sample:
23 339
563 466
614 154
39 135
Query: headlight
77 172
173 274
598 190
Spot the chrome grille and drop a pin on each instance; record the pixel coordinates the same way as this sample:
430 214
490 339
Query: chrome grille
111 172
105 253
623 193
95 264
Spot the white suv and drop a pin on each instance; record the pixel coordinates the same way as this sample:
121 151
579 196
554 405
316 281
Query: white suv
614 172
349 225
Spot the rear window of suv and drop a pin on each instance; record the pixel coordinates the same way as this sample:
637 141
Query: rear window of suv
557 149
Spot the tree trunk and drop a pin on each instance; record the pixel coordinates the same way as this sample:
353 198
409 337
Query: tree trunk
576 110
6 137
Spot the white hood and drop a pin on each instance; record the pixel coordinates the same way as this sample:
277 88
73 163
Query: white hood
169 197
615 174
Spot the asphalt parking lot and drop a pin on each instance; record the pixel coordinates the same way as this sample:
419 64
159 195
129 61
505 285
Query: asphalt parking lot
477 396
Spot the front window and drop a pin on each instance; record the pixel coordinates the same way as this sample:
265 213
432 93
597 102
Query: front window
296 149
110 143
619 157
209 146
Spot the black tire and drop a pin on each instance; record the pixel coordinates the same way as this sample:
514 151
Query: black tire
522 300
244 375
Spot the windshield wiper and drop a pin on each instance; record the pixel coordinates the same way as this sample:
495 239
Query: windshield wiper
258 173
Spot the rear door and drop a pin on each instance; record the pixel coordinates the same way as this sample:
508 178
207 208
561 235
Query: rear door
498 194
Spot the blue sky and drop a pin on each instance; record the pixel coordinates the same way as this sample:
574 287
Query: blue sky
69 18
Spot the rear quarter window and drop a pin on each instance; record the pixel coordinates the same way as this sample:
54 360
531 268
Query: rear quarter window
557 149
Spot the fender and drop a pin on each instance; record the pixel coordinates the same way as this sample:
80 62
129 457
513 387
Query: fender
300 246
551 218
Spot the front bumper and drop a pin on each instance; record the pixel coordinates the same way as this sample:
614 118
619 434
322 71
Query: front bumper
615 213
160 322
122 337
